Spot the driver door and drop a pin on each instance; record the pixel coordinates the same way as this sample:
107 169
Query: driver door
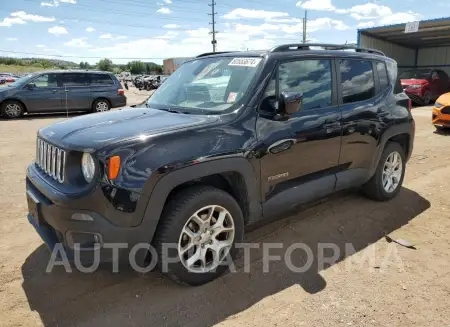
43 94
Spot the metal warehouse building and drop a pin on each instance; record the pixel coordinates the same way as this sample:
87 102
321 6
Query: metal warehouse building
424 44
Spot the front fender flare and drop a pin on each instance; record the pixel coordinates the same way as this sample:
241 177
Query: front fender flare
167 183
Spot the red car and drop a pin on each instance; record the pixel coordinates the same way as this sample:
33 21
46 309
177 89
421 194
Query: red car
425 85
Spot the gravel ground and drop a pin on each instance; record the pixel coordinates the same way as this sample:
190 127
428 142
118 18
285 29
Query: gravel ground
397 287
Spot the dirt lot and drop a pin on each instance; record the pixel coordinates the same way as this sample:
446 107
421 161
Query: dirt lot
400 287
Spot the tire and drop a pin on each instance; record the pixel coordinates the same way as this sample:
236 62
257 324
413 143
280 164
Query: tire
426 98
11 109
101 105
375 188
178 216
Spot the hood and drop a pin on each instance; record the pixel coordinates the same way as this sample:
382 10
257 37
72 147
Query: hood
94 131
444 99
413 81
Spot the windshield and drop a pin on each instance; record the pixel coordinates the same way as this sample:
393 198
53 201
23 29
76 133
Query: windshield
416 74
22 80
211 85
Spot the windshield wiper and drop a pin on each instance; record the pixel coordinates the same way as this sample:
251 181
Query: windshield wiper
174 111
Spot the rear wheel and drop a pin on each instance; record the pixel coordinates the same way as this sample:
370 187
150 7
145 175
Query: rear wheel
441 128
101 105
197 235
12 109
387 181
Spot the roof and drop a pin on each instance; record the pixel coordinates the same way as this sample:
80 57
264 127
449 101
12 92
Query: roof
431 33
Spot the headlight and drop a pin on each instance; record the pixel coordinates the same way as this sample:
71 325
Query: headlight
438 105
415 86
88 167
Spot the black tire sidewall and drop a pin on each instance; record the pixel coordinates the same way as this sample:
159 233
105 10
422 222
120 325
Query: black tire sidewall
177 271
425 102
391 147
3 108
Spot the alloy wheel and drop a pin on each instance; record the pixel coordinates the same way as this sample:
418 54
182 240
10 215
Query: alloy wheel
13 110
206 239
101 106
392 172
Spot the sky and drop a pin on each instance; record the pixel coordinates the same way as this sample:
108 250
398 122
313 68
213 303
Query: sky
151 30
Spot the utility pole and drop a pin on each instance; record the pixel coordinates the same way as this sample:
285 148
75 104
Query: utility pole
213 23
305 22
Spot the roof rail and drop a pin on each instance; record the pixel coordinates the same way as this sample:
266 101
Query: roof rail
307 46
212 53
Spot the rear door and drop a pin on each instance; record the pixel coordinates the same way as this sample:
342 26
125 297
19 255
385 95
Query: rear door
364 115
77 92
444 83
103 86
43 93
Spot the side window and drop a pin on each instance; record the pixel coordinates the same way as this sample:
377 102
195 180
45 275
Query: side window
442 75
310 77
434 74
357 80
75 79
101 79
46 80
382 74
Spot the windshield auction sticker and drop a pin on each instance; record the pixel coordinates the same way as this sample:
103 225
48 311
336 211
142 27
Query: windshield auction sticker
245 62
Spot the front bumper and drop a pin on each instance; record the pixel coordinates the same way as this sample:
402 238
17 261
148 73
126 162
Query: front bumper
440 119
88 240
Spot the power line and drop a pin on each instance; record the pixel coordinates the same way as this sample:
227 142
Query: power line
213 23
80 57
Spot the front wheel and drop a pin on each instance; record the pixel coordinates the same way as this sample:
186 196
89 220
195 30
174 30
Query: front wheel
11 109
101 105
387 181
427 98
196 238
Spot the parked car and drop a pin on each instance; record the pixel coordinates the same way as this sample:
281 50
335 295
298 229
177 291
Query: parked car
2 79
425 85
56 91
441 112
293 125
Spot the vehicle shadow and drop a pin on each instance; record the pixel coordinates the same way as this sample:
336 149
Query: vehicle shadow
131 299
443 132
47 116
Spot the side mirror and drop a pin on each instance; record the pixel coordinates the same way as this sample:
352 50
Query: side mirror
291 102
436 78
31 86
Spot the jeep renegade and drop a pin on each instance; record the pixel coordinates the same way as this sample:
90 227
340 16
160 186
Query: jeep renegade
228 140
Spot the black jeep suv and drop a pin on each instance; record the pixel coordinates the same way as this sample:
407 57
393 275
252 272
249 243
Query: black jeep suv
227 140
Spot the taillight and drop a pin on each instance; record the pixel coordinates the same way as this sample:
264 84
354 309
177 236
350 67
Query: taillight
120 92
409 104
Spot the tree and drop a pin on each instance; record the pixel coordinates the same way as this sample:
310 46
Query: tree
136 67
82 65
105 65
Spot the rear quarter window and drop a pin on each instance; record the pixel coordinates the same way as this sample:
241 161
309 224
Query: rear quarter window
101 79
393 76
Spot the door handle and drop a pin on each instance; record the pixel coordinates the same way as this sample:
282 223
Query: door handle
67 91
55 91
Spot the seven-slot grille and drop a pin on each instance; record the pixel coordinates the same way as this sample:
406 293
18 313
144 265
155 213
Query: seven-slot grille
51 159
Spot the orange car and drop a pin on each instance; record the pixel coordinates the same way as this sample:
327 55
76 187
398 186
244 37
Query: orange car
441 112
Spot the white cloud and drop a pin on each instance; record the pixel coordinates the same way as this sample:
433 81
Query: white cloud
8 21
324 5
69 1
167 1
256 14
168 35
369 11
90 29
31 18
106 36
11 39
57 30
21 17
41 46
121 37
171 26
366 25
400 17
53 3
77 43
164 10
